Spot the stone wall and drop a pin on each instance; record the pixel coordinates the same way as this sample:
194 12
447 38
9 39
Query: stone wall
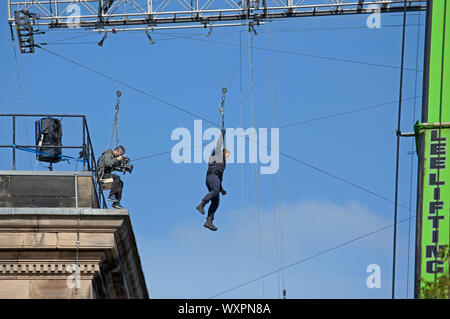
38 254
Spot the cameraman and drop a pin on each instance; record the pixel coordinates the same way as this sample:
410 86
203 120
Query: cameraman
105 165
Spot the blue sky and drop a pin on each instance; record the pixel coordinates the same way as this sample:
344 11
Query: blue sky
182 259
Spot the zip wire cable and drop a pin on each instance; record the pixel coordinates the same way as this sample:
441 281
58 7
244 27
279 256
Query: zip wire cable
241 104
219 79
116 119
178 107
277 175
68 43
361 188
397 163
250 58
335 59
136 67
376 106
164 153
301 123
70 38
115 131
275 194
277 202
290 30
310 257
128 86
211 122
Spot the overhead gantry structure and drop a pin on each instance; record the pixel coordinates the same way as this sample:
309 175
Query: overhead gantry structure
120 15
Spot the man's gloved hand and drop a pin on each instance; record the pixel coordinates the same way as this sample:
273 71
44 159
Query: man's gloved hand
223 192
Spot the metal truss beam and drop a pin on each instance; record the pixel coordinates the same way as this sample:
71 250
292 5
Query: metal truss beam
128 14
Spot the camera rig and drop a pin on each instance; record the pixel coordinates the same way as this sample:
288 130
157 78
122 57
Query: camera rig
124 165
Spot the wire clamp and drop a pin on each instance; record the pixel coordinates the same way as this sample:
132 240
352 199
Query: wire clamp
152 41
210 31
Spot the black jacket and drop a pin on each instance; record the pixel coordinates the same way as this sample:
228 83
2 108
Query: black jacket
216 162
106 162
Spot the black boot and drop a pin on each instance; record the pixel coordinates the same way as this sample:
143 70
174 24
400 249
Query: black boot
209 224
200 207
117 205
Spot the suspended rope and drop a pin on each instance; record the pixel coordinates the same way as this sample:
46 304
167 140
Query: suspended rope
366 108
278 206
184 110
329 58
250 58
70 38
114 141
115 132
222 110
275 194
336 28
281 234
114 127
337 246
213 56
398 150
241 103
169 104
219 79
19 82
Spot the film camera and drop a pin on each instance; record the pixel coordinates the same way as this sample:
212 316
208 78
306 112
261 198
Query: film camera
124 165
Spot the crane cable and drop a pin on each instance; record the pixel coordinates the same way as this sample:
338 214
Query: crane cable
276 194
115 125
222 111
115 134
275 197
298 124
252 106
278 211
241 104
19 82
303 260
219 79
184 110
308 55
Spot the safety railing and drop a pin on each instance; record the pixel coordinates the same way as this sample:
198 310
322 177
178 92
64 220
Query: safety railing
86 154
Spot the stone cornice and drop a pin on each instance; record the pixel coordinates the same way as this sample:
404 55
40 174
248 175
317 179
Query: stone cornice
60 219
47 268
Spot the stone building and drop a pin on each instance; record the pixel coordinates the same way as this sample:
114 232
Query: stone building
55 241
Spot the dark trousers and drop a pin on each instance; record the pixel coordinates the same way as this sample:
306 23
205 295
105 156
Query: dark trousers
213 184
117 185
